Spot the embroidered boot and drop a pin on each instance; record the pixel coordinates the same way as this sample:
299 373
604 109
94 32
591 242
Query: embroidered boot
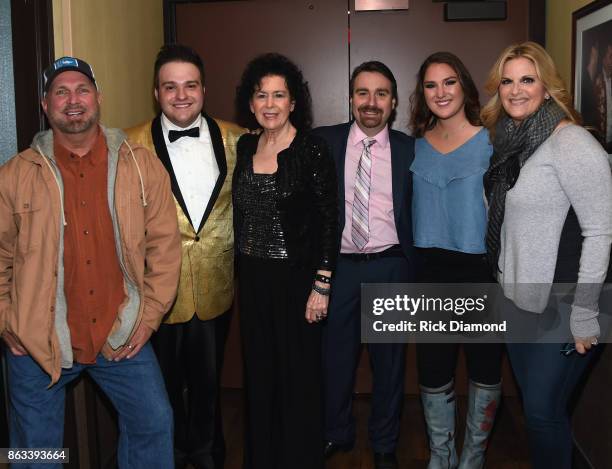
483 401
439 409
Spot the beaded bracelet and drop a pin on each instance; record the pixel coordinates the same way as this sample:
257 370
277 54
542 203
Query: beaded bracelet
320 290
323 278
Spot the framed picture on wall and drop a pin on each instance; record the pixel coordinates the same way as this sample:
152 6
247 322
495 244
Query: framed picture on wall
592 68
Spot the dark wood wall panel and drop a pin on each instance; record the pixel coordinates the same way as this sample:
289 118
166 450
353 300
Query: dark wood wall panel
32 28
314 34
228 34
403 39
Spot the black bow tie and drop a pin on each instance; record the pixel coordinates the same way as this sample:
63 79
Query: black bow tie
176 134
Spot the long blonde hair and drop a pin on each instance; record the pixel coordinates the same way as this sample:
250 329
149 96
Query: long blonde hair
547 72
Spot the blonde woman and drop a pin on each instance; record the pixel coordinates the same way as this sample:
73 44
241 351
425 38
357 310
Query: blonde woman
543 164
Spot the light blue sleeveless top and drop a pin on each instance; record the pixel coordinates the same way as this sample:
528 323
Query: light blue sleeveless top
448 204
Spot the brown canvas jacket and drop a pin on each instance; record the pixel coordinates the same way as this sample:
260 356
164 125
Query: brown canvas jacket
32 302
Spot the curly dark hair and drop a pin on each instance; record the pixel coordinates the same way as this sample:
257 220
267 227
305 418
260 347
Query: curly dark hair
267 65
176 53
421 117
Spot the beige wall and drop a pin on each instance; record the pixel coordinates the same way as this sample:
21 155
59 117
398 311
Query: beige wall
559 33
119 39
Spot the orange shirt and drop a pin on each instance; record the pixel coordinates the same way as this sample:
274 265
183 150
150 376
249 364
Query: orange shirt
93 281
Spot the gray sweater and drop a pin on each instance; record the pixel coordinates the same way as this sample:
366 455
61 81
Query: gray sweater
569 169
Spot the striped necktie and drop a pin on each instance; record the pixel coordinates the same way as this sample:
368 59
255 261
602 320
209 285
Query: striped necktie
360 232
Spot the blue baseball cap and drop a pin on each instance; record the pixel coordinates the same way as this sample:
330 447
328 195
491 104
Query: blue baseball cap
66 64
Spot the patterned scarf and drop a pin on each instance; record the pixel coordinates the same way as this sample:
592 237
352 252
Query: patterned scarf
513 146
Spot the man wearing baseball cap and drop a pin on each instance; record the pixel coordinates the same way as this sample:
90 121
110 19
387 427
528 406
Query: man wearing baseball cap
66 64
89 264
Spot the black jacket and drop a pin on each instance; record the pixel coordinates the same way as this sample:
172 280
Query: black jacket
308 204
402 154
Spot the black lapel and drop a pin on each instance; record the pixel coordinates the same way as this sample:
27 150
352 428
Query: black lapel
399 175
162 154
340 152
219 150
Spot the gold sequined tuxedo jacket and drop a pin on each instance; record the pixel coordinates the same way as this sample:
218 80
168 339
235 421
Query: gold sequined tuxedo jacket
206 285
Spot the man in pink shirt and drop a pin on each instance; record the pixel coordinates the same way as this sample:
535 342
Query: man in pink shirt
375 187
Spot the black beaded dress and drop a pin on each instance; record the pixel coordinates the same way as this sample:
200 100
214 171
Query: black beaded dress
281 350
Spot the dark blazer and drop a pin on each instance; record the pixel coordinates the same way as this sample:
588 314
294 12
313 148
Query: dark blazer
402 154
307 204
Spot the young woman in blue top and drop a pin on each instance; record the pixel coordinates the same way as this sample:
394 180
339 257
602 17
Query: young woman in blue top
452 153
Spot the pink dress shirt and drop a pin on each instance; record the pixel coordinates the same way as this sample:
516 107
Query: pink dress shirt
383 233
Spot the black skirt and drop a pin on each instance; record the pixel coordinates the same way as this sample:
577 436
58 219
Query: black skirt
282 357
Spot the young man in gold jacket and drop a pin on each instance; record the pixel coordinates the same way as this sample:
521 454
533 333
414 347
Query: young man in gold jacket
199 154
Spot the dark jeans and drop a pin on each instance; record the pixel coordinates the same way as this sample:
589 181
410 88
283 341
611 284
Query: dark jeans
134 386
547 379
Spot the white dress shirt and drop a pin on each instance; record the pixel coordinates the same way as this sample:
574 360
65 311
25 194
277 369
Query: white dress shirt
195 167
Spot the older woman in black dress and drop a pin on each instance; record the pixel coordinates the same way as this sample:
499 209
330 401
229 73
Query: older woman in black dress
285 217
